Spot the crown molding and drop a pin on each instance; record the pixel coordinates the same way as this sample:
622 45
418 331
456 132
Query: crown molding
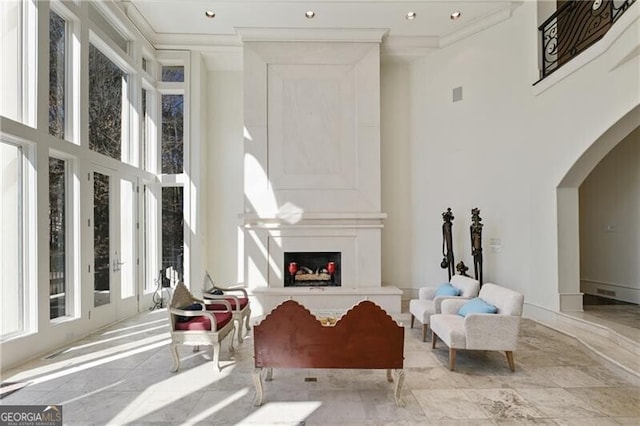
480 25
407 48
362 35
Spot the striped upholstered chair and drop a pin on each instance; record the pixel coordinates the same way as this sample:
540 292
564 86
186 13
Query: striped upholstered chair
196 322
237 298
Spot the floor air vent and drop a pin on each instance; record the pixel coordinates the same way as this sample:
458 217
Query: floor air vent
56 354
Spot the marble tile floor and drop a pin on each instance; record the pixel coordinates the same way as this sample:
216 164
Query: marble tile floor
121 375
622 318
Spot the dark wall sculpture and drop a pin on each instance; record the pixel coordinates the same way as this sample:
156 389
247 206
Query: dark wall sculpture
462 269
476 243
447 243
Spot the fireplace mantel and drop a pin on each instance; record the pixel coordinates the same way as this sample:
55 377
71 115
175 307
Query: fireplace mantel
339 298
315 220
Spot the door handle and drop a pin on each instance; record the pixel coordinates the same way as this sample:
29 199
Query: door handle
117 265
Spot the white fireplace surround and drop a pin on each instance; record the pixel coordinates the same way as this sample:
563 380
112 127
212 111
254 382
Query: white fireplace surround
355 236
312 164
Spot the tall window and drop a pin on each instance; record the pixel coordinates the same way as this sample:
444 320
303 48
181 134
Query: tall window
173 231
101 240
172 133
105 104
11 59
57 238
12 248
147 132
57 64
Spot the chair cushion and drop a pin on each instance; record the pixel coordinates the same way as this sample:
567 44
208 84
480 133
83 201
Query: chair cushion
447 289
422 309
477 306
204 323
243 301
191 307
450 329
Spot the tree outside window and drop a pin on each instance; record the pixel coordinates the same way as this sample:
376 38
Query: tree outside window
105 105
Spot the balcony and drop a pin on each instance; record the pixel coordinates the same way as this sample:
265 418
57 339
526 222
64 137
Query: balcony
574 27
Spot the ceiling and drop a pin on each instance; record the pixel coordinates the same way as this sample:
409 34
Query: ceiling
175 23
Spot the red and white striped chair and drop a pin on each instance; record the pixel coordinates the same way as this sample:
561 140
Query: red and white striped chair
196 322
239 302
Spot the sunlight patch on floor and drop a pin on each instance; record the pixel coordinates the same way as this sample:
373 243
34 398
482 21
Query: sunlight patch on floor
131 327
193 380
203 415
282 413
84 362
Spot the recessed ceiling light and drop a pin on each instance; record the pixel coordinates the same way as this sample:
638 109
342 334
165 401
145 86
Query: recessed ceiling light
455 15
210 14
310 14
410 16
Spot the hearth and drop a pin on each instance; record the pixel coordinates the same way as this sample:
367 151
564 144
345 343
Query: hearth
312 269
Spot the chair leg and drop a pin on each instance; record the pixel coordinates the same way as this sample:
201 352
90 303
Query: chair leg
434 337
247 319
412 320
239 328
425 328
231 349
216 356
452 359
176 358
512 365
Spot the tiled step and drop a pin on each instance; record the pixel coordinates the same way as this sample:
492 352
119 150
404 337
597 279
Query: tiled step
611 345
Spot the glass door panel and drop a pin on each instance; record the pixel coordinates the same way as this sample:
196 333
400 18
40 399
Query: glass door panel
126 263
101 239
115 235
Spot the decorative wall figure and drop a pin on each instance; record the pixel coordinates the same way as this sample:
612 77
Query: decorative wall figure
462 269
447 242
476 243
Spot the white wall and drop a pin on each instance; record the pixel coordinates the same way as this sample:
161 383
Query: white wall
505 147
610 223
395 134
195 225
222 164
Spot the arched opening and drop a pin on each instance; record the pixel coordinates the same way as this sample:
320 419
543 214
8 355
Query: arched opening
569 214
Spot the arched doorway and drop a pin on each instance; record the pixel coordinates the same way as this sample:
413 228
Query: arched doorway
568 210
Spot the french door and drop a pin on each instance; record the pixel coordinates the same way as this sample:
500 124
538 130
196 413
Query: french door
115 245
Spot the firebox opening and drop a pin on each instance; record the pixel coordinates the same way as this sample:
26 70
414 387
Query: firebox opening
312 269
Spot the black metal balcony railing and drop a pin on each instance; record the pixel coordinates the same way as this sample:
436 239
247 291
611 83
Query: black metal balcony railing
575 26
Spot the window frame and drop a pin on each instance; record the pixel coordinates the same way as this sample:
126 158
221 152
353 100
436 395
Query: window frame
66 92
181 179
28 250
129 136
72 69
72 236
26 64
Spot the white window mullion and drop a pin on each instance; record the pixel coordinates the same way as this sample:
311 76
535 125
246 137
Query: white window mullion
29 74
30 232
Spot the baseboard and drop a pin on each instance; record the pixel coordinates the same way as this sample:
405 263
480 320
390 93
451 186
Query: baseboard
611 290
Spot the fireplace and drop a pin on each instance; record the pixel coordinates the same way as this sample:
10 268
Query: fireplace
312 269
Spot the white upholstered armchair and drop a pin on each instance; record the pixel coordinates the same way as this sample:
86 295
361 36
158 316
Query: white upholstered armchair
480 331
428 302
